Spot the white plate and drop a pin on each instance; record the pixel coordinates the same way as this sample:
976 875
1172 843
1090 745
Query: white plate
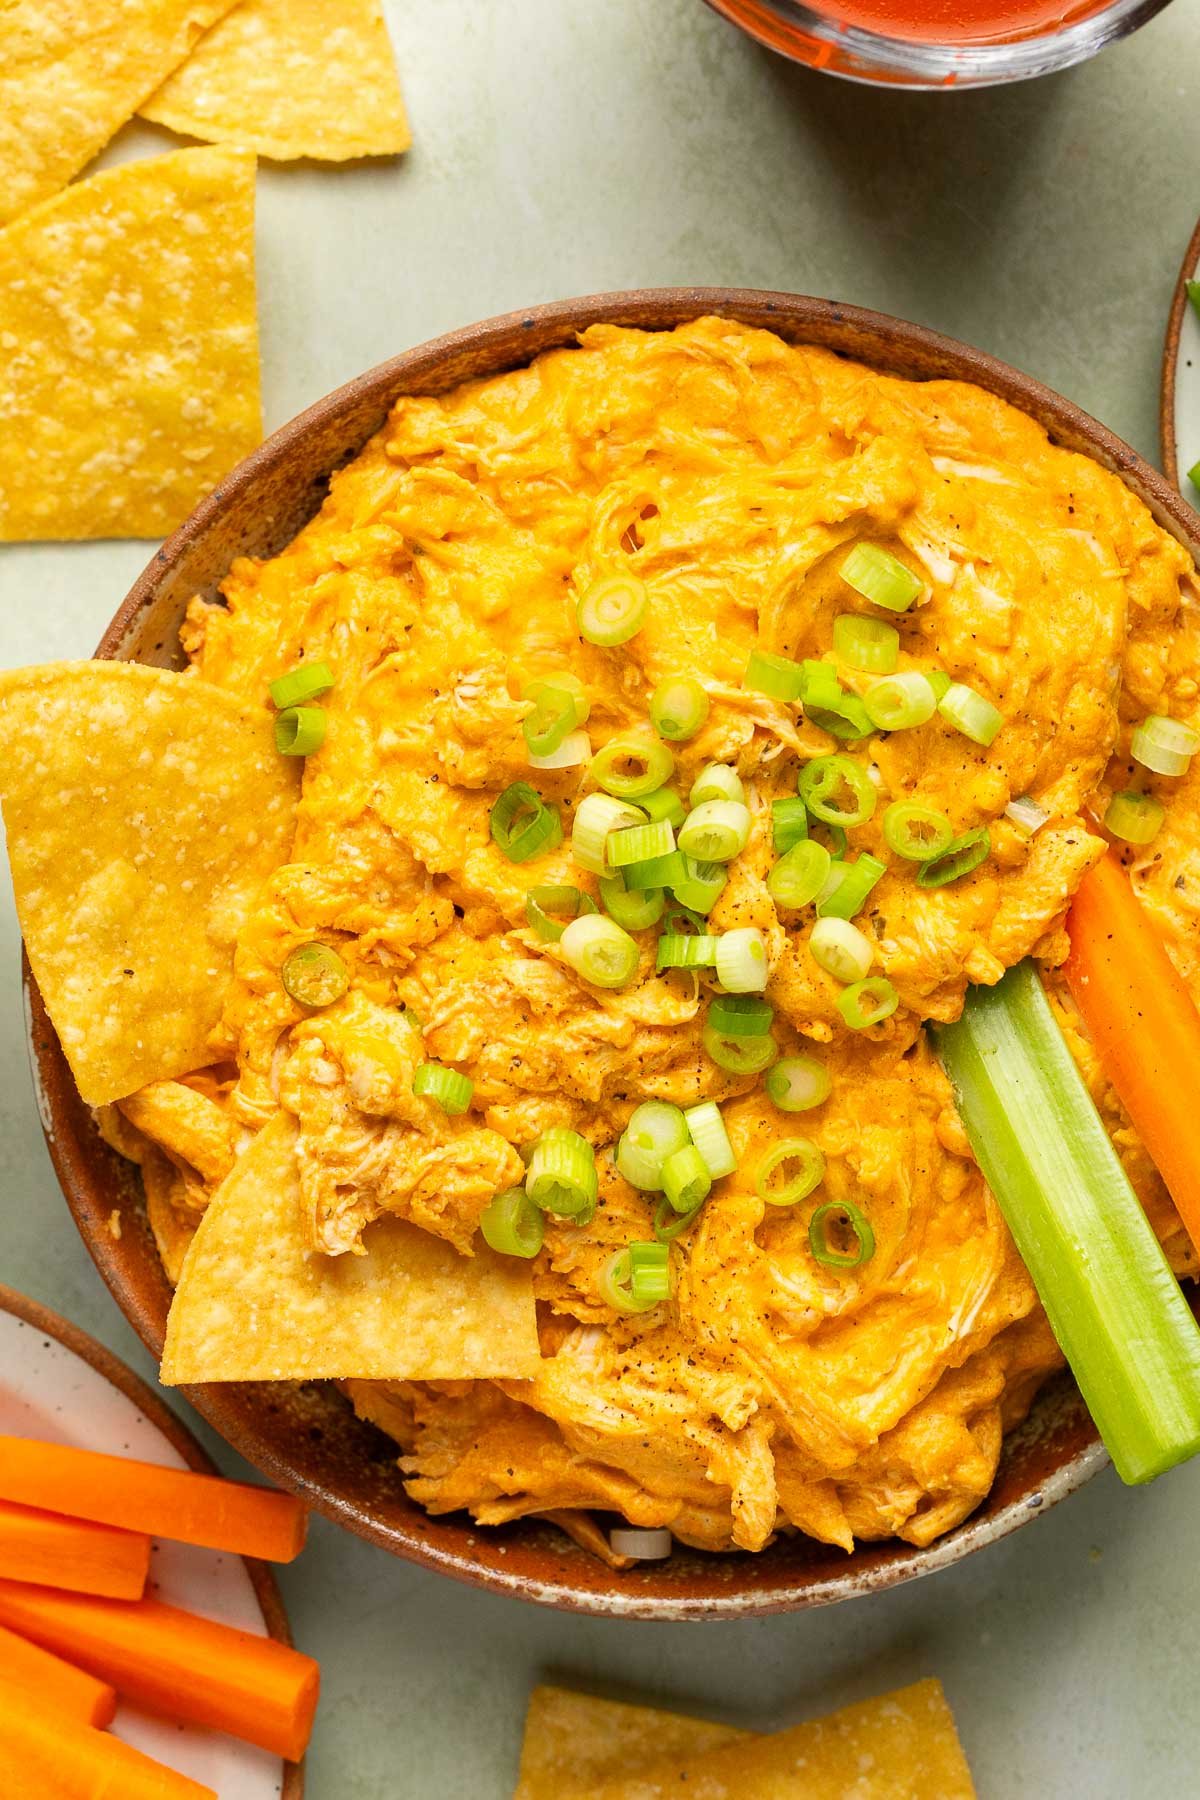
47 1391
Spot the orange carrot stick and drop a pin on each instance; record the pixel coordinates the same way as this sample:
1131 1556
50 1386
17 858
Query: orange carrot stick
55 1683
55 1758
170 1503
72 1553
176 1662
1144 1025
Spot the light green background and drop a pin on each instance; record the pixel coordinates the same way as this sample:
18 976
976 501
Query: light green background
565 146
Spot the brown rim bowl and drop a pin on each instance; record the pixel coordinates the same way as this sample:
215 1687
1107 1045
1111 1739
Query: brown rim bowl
1168 438
306 1437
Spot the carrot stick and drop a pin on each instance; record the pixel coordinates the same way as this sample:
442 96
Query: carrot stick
176 1662
72 1553
56 1758
1144 1025
55 1683
170 1503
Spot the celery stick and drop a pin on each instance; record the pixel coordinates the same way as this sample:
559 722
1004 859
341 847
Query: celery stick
1114 1305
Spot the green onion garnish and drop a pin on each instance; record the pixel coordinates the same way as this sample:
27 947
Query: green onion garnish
663 803
612 611
970 713
654 1132
595 816
668 1224
1134 818
844 1214
716 781
899 702
742 960
633 910
777 676
617 1281
789 824
512 1224
866 644
523 825
550 909
707 1130
700 886
916 832
848 887
831 706
678 708
656 872
629 767
940 682
638 843
1194 474
1193 294
880 577
790 1172
800 874
314 975
600 951
574 751
797 1083
690 951
561 1175
1112 1300
308 681
649 1272
837 790
957 859
451 1091
1164 745
300 730
739 1055
715 831
841 949
868 1002
740 1015
685 1179
554 716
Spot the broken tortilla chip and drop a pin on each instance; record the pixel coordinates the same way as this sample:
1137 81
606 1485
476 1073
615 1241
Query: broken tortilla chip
255 1304
72 72
129 379
575 1741
291 78
144 811
902 1746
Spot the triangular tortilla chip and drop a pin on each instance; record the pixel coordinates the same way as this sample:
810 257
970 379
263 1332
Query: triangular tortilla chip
575 1741
128 348
291 78
255 1304
144 811
72 72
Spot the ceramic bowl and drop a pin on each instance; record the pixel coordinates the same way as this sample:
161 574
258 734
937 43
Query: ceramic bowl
306 1437
1179 399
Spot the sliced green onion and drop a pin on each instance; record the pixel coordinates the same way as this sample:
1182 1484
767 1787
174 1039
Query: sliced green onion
564 680
841 949
668 1224
848 1216
715 831
612 611
663 803
880 577
836 710
707 1130
574 751
742 960
1114 1305
550 910
848 887
561 1175
599 951
716 781
685 1179
300 730
970 713
686 952
797 1083
777 676
798 877
916 832
866 644
307 681
1194 474
681 921
940 682
638 843
615 1284
790 1172
739 1055
678 708
657 872
957 859
654 1132
700 886
789 824
512 1224
837 790
1026 815
899 702
1173 733
831 836
451 1091
633 911
595 816
1193 294
553 718
1134 818
314 975
867 1003
1164 745
740 1015
629 767
523 825
649 1272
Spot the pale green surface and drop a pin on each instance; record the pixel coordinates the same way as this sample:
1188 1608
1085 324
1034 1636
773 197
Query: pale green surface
564 146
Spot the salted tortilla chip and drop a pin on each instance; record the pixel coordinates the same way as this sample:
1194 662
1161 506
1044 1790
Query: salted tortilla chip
902 1746
291 78
72 72
128 348
144 811
575 1741
255 1304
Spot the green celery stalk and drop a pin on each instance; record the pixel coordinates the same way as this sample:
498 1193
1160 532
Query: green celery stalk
1113 1303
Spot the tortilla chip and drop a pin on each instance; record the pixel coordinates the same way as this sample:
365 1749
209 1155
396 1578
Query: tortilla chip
72 72
291 78
575 1741
128 348
144 811
902 1746
254 1304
